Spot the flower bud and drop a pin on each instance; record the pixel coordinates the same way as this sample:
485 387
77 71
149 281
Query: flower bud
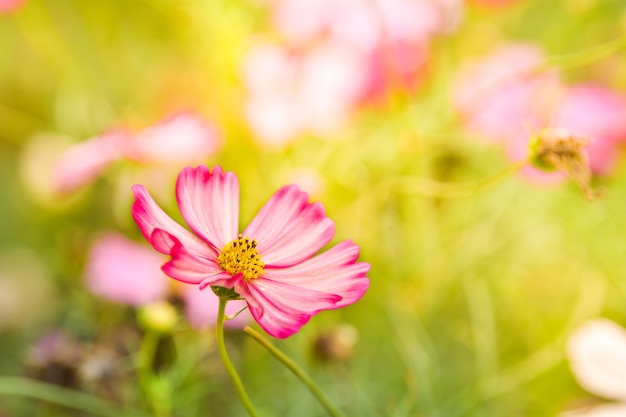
336 344
160 317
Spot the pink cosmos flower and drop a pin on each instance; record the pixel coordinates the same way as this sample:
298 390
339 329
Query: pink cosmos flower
271 264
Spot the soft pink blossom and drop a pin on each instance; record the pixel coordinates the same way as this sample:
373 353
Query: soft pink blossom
338 54
600 114
123 271
86 161
8 6
292 92
500 99
503 99
364 24
391 36
179 139
272 264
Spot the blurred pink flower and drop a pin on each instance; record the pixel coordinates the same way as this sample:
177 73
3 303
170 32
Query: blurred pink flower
364 24
271 264
123 271
201 309
8 6
291 92
179 139
338 54
499 98
597 357
598 113
503 100
86 161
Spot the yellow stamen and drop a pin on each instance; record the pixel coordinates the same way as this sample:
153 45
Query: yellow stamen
241 257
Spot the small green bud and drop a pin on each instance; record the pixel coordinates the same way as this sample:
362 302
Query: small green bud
159 316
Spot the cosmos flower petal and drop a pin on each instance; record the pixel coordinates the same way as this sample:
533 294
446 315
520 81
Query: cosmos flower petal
209 202
597 356
195 268
289 229
334 272
282 309
150 217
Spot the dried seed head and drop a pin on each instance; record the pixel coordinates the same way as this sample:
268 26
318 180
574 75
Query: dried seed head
556 149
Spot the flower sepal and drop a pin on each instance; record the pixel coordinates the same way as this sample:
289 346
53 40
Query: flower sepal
225 293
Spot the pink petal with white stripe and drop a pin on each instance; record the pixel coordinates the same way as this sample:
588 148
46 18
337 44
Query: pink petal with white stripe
282 309
289 229
209 202
196 268
150 218
334 272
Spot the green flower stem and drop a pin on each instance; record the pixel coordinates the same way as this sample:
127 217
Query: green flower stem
586 57
436 189
65 397
221 347
150 383
297 371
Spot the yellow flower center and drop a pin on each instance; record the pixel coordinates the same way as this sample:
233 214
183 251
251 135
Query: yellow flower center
241 257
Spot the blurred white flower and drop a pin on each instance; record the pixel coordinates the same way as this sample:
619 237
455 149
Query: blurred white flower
597 357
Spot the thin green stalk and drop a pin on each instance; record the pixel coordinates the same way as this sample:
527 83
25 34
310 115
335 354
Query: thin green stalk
150 383
297 371
221 347
586 57
65 397
424 187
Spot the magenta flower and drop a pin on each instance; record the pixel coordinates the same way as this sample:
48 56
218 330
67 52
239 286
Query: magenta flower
271 264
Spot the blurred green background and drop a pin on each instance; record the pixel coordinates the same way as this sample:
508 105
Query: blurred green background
471 299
